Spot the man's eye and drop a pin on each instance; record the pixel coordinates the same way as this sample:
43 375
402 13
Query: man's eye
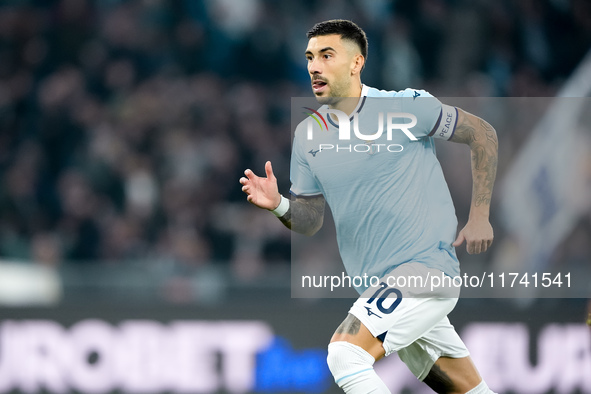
327 56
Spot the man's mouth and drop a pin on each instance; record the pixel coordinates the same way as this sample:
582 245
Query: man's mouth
318 86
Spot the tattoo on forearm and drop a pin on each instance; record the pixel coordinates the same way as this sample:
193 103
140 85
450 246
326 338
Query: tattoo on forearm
483 142
286 218
482 199
464 133
491 135
305 215
479 157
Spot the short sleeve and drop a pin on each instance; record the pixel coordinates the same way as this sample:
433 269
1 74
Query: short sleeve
425 107
303 182
434 119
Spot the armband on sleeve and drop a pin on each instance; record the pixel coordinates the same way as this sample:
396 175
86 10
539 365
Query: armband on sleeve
446 125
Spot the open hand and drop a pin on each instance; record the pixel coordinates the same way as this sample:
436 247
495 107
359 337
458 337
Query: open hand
261 192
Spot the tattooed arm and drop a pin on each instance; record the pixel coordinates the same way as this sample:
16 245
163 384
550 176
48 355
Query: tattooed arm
482 140
305 215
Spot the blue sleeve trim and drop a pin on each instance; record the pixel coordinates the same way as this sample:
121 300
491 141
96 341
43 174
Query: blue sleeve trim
436 125
353 374
305 195
455 124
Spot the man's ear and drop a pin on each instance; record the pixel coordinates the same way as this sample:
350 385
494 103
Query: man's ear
357 64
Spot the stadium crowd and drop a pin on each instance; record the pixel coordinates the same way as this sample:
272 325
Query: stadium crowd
125 125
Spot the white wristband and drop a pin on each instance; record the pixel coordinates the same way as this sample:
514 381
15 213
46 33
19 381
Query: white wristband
281 208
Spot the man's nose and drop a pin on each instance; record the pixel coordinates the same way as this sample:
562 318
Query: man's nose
314 67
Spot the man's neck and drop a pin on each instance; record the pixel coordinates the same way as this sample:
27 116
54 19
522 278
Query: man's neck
349 103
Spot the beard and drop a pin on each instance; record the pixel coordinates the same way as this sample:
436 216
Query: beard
328 100
335 95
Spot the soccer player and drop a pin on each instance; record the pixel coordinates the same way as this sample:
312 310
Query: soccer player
393 215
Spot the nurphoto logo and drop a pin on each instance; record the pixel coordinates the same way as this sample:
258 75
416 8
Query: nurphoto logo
395 121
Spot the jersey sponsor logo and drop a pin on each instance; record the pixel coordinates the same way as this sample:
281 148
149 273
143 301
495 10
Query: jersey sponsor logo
313 152
370 312
417 94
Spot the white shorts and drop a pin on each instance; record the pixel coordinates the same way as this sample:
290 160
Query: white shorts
411 320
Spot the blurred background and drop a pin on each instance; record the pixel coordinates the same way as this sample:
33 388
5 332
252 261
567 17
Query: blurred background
125 126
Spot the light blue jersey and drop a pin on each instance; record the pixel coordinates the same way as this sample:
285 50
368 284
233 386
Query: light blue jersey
388 196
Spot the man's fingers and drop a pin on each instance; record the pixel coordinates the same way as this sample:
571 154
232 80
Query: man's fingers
476 247
486 244
473 247
269 170
249 174
459 240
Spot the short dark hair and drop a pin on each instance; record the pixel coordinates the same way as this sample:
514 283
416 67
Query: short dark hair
346 29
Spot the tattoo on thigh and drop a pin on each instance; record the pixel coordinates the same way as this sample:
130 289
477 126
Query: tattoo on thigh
439 381
350 325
